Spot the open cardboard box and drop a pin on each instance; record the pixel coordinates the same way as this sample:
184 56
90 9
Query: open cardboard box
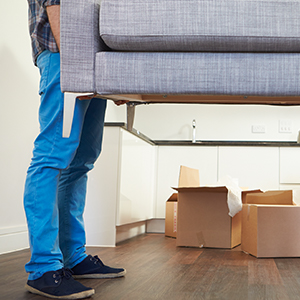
202 216
270 224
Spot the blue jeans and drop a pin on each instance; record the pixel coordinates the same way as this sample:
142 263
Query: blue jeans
55 188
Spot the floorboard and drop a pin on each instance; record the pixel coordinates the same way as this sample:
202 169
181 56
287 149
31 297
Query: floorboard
157 269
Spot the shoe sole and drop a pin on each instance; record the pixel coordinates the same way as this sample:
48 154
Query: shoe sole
100 276
81 295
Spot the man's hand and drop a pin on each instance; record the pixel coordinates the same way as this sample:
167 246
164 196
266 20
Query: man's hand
121 102
88 97
53 13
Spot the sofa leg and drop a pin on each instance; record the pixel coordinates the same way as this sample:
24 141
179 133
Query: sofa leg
130 115
69 105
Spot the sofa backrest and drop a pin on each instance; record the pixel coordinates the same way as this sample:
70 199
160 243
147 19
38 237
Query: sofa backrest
206 25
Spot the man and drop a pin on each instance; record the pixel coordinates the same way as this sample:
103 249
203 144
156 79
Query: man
55 187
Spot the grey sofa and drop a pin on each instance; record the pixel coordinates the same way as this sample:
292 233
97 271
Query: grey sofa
186 51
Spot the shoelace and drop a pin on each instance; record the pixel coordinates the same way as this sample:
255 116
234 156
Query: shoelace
98 260
67 273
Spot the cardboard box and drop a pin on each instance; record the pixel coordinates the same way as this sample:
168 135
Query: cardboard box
203 219
270 225
171 216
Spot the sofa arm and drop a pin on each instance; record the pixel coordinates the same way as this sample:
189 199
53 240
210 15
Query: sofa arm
80 41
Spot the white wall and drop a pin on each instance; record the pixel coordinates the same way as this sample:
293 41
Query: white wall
18 120
19 125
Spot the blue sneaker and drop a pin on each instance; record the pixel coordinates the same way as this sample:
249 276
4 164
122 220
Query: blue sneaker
93 267
59 285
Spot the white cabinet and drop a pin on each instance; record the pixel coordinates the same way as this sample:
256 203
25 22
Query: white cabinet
169 160
103 193
121 186
137 166
254 167
289 165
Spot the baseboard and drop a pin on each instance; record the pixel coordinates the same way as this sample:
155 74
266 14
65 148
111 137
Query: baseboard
128 231
156 226
13 239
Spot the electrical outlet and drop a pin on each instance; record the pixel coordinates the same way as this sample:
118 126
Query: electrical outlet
285 126
258 128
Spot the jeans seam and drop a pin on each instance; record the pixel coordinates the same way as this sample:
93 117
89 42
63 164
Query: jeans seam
67 223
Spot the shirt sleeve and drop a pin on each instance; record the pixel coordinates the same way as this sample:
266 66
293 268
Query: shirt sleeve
50 2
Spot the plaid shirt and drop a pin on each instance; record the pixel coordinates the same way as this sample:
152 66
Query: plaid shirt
39 27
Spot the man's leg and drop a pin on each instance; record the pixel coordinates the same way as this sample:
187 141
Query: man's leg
71 199
72 185
51 155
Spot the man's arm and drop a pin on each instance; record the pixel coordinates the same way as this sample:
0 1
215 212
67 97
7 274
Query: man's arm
53 13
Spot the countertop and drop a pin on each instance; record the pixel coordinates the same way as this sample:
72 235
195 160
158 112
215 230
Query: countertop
206 142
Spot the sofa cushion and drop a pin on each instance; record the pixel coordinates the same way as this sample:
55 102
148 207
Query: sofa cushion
206 25
260 74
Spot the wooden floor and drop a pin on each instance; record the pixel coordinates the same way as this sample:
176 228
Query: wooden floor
156 269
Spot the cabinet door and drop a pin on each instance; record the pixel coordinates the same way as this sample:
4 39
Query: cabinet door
253 167
136 180
290 165
170 158
102 192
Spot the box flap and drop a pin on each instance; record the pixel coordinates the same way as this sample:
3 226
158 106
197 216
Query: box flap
173 198
203 189
270 198
188 177
272 205
245 193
